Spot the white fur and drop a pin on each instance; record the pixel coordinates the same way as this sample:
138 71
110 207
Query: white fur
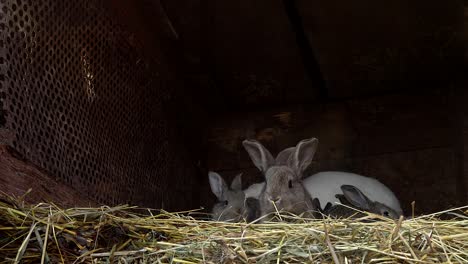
254 190
324 186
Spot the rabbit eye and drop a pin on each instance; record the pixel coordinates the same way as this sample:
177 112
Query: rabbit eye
290 184
385 213
226 202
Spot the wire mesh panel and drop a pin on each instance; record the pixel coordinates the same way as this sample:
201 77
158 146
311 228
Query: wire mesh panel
83 103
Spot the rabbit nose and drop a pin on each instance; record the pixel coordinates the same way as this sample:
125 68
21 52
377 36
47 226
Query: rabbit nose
275 199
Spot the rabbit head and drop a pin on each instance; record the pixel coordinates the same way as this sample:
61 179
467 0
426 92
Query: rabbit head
353 198
230 205
283 189
338 210
357 199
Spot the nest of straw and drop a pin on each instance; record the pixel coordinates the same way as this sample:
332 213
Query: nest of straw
45 233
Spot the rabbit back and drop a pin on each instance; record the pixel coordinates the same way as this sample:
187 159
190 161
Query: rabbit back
325 185
340 211
254 190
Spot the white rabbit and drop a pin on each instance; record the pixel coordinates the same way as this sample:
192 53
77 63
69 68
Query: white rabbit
352 197
283 189
230 205
325 185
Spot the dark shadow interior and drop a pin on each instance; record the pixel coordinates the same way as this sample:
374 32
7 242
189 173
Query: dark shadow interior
132 102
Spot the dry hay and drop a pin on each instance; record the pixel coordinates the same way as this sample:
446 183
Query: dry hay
123 234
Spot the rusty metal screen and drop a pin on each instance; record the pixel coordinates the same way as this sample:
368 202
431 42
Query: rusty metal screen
82 103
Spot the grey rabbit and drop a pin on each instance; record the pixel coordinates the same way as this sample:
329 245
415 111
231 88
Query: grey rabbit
230 205
354 198
283 190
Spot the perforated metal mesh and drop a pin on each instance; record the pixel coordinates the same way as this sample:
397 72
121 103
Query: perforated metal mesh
83 104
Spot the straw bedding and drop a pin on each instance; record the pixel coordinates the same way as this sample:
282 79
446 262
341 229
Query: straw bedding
45 233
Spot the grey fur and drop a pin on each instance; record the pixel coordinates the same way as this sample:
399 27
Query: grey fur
351 198
283 190
230 205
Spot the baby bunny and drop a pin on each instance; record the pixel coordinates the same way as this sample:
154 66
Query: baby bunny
325 186
354 198
230 206
357 199
283 188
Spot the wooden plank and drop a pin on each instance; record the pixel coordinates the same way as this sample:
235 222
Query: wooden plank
363 49
401 123
17 176
257 61
345 130
427 176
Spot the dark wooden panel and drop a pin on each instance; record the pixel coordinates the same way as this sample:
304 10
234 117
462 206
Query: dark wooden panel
17 176
278 130
461 99
255 54
426 176
185 18
401 123
357 128
369 47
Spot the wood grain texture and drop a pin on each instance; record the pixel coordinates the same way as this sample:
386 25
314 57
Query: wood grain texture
17 176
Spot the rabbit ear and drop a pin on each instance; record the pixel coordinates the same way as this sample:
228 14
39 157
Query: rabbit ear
236 184
327 207
316 204
342 198
303 155
354 196
283 156
260 156
218 185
